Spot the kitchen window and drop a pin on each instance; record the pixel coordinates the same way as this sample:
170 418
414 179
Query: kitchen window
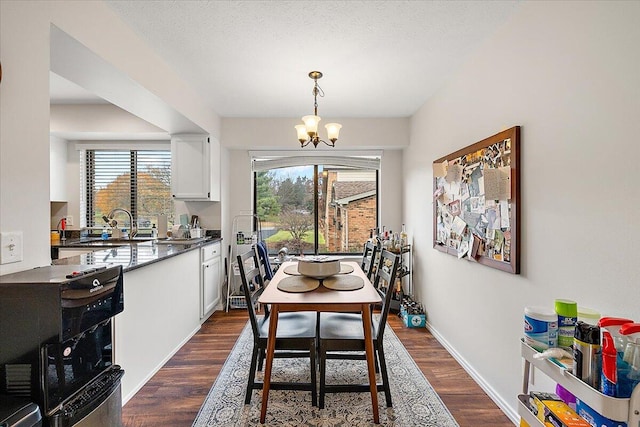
316 204
136 180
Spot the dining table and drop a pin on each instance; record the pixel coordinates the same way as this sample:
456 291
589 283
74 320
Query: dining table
320 299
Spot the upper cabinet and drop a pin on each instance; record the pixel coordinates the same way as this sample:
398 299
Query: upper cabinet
58 169
195 167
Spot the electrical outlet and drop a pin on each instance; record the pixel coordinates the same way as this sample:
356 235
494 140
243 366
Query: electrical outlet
10 247
69 219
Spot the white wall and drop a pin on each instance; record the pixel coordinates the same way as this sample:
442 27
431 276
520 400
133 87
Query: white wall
569 74
25 34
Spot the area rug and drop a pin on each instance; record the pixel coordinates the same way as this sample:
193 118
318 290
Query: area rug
415 403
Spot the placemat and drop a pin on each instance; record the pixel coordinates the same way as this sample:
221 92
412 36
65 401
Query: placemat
343 283
292 270
345 268
298 284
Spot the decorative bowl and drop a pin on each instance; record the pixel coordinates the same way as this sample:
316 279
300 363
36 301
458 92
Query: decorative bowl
318 268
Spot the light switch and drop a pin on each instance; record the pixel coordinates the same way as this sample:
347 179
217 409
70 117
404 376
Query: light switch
10 247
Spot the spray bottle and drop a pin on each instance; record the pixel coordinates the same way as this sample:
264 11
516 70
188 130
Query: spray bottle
627 381
612 325
609 378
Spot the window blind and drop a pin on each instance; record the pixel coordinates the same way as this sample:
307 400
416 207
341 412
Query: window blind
262 161
136 180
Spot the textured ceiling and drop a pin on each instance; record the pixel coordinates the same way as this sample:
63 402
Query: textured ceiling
251 58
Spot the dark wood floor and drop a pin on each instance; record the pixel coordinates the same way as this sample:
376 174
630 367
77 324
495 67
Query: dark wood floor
174 395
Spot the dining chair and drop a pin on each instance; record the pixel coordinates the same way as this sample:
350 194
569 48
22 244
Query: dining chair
295 338
341 335
263 257
368 258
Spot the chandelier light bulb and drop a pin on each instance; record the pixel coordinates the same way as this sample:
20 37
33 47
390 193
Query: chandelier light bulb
311 123
302 133
333 129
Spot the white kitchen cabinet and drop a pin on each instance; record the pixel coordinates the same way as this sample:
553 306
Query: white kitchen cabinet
57 169
210 279
195 167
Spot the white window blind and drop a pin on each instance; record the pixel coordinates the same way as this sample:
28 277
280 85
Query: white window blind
262 161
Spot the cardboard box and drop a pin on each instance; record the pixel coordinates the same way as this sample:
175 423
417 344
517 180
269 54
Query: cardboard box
538 402
414 320
595 419
559 414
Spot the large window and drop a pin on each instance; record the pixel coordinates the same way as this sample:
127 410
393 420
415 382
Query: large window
316 208
136 180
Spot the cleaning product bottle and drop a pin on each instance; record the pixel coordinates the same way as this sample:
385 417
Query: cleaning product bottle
627 381
154 231
586 354
612 325
609 377
567 316
105 233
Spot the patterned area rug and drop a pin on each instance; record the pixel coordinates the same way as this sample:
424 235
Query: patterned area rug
415 403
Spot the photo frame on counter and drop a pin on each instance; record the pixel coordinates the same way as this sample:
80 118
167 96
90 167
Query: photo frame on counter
476 202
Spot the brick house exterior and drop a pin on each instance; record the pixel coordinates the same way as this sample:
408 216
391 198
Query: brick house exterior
349 199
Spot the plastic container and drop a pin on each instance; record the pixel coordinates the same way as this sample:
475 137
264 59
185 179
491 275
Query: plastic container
566 396
105 234
629 368
567 311
588 315
540 327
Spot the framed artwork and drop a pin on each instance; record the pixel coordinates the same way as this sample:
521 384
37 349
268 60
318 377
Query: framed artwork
476 202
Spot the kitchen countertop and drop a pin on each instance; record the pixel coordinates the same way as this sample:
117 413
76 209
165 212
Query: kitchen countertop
130 255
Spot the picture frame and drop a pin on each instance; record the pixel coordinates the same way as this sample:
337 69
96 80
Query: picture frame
476 202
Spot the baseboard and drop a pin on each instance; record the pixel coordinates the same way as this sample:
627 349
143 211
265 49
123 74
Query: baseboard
155 370
508 410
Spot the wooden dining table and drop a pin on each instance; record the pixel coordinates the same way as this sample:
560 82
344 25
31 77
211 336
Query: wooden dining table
320 299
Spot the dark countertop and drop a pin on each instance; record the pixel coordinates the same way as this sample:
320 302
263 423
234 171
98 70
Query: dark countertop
131 255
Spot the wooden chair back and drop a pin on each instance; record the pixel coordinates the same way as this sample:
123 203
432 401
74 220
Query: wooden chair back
368 258
385 275
251 275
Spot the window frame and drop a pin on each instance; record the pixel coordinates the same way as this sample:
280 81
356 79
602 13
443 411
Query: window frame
361 160
88 181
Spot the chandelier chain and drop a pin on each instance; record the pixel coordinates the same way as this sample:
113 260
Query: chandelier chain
317 91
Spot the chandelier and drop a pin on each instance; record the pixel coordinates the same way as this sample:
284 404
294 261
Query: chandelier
308 132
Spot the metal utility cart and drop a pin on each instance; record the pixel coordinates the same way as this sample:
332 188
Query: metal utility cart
619 409
247 231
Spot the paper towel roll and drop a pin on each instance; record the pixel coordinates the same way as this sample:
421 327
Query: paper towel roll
162 226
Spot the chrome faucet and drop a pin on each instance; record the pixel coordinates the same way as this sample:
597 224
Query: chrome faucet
113 223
